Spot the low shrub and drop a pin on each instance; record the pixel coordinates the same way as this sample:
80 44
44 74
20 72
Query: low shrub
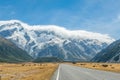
105 65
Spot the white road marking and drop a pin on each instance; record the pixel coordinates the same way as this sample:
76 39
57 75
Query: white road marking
57 78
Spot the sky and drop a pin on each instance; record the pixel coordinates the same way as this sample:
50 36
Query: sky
101 16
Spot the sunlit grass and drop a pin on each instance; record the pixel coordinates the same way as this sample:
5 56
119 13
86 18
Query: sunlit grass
27 71
114 67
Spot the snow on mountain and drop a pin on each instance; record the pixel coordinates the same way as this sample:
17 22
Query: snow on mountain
55 41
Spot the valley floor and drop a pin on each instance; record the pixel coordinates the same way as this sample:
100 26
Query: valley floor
27 71
44 71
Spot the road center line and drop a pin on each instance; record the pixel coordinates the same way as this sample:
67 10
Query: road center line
57 78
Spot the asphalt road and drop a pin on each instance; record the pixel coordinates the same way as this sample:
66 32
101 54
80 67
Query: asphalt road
68 72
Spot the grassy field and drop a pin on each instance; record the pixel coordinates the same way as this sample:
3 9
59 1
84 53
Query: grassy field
114 67
27 71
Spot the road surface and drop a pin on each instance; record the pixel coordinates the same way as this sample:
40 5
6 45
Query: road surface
68 72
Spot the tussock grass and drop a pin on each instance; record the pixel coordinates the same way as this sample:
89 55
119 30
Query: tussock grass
27 71
114 67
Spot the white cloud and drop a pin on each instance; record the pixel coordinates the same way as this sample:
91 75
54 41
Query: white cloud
63 32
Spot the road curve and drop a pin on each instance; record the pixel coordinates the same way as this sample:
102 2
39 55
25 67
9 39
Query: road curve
69 72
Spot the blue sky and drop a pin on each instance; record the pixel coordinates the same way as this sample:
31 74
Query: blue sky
101 16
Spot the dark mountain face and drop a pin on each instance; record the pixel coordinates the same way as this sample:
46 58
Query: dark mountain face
9 52
109 54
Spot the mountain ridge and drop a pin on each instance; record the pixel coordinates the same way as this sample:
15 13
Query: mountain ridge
109 54
54 41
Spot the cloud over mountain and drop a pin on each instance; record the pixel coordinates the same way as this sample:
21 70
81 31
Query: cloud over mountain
55 41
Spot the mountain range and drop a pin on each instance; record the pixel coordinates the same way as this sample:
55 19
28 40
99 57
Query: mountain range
54 41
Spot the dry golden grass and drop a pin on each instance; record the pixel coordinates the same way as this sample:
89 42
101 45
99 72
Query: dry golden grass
27 71
114 67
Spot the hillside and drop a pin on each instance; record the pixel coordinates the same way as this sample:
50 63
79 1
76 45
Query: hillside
109 54
9 52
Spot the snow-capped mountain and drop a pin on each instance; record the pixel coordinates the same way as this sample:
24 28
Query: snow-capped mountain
54 41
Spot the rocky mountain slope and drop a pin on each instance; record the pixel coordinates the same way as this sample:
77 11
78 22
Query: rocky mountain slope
9 52
109 54
54 41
